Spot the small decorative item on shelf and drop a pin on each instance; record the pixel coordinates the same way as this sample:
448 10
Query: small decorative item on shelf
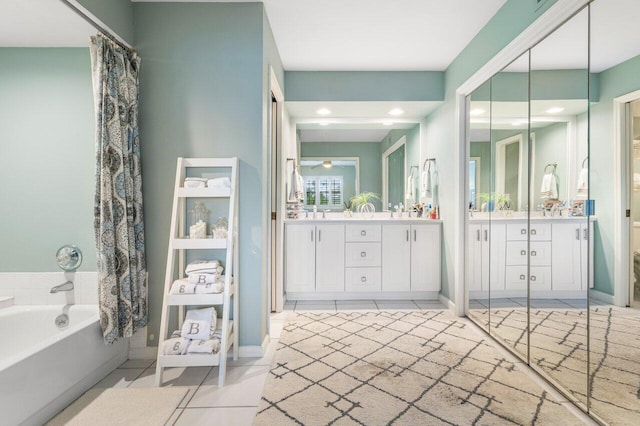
347 209
419 209
199 216
219 229
363 203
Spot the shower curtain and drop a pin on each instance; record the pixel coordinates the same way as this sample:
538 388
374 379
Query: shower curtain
118 218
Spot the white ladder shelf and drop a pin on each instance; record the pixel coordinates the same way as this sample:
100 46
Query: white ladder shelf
179 242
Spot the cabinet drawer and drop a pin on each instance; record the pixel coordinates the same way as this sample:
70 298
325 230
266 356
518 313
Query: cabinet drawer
363 279
363 233
363 254
536 232
516 278
517 253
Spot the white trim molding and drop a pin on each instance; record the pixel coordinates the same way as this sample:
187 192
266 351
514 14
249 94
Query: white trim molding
255 351
554 17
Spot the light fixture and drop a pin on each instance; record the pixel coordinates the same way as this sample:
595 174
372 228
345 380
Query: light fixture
477 111
323 111
387 123
327 164
323 123
554 110
396 111
518 123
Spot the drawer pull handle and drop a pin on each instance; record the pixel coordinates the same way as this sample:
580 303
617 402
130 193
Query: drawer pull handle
523 252
522 277
363 279
533 277
408 235
586 233
478 235
363 233
533 232
523 231
577 233
486 235
319 235
533 253
312 235
414 235
363 254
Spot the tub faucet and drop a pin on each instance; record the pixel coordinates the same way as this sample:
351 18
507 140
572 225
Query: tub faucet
66 286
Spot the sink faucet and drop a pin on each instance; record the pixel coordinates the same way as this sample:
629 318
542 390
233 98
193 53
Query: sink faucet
66 286
324 213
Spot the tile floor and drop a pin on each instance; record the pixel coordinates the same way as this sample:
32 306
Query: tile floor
237 403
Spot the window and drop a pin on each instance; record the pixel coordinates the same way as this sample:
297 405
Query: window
323 191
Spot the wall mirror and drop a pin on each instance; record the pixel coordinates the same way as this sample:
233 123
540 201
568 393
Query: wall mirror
360 153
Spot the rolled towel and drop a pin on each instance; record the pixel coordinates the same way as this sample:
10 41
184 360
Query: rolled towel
209 346
211 288
208 315
202 266
182 286
224 182
176 346
205 277
176 333
192 182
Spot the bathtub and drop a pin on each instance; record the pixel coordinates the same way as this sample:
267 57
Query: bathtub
43 368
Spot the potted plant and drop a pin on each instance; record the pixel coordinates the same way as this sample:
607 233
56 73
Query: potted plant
495 201
348 205
363 200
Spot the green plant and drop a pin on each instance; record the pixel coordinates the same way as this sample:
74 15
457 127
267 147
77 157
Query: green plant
364 198
500 201
348 205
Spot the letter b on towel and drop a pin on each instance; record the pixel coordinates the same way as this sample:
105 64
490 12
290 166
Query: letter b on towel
195 330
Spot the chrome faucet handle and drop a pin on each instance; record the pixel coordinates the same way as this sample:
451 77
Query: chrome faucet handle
324 213
388 211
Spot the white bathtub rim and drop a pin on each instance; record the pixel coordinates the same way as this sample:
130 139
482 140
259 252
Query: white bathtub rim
51 340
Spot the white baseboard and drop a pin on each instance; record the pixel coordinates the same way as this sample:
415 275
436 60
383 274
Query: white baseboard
603 297
447 302
255 351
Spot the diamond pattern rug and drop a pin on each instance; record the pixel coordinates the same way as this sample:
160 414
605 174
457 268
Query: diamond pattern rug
400 368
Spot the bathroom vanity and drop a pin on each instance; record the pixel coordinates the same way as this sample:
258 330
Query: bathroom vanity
380 258
559 251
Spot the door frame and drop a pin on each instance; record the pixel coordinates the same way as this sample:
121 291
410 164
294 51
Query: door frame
622 146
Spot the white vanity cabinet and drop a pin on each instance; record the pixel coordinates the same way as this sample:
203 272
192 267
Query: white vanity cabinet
570 270
553 251
351 259
315 258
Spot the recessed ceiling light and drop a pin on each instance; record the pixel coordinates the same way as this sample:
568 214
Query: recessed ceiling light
396 111
554 110
323 123
518 123
327 164
323 111
387 123
476 111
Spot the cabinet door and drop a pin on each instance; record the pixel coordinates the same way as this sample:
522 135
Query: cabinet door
565 246
494 246
425 257
475 258
396 258
300 258
330 258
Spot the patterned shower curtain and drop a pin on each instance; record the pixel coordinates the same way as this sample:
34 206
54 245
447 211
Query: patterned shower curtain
118 218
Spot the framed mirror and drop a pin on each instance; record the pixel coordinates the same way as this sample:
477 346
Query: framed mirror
394 164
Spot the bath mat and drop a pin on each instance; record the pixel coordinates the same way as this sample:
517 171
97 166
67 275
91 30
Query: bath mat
400 368
97 407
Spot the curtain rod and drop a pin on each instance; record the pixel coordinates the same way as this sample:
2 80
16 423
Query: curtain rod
106 33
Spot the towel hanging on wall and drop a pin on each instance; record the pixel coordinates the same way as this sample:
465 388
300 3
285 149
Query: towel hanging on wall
296 192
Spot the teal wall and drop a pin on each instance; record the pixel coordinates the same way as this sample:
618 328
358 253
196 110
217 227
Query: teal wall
483 151
47 131
353 86
202 94
617 81
551 147
116 14
512 18
367 152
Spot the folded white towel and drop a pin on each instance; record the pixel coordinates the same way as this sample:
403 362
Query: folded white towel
224 182
205 277
582 192
182 286
176 346
209 346
202 266
195 329
207 315
427 190
549 187
211 288
192 182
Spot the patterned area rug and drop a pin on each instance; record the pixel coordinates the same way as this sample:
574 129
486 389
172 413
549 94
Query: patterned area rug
559 347
400 368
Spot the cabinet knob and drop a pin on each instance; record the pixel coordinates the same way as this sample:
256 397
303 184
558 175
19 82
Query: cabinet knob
523 252
533 232
363 233
533 253
363 279
522 277
363 254
533 277
523 231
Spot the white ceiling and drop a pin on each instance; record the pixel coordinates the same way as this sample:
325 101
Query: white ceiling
41 23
